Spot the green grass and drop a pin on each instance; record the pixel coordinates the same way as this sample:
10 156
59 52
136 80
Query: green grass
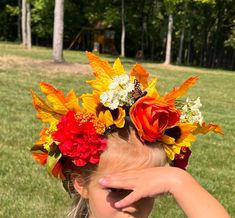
28 191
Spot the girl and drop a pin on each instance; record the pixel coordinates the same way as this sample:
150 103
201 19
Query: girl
114 154
130 175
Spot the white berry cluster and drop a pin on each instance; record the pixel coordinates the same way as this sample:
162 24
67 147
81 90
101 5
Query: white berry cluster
119 93
190 111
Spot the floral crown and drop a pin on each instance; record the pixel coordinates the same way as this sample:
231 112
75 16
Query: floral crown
76 134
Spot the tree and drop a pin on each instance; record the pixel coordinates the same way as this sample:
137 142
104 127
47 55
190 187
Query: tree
123 31
169 40
170 8
26 24
23 22
58 31
182 31
19 36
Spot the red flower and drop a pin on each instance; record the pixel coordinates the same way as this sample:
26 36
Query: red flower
152 116
181 160
79 142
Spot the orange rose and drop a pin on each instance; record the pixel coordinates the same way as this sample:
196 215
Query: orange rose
151 116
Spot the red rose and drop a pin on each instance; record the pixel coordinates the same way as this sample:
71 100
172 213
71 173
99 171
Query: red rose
79 142
181 160
152 116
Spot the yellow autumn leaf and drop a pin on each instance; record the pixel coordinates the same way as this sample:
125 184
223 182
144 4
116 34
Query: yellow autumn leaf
205 128
118 67
55 105
103 72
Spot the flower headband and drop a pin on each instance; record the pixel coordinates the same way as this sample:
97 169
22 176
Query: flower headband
75 134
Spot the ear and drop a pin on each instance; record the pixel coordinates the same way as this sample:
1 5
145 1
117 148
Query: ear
78 184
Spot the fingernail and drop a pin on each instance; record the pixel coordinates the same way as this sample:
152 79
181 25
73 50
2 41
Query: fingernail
103 181
117 204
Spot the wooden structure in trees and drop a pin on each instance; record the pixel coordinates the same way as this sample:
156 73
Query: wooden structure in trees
96 39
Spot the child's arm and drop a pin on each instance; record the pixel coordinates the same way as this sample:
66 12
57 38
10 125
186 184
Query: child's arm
194 200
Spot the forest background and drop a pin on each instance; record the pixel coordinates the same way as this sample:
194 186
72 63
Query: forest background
202 31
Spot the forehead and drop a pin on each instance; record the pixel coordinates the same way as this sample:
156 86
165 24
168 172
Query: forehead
130 154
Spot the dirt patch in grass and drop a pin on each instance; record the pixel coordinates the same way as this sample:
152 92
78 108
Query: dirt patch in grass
28 64
10 61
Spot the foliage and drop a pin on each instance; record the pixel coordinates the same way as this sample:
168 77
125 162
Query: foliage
42 20
206 23
12 10
8 20
231 39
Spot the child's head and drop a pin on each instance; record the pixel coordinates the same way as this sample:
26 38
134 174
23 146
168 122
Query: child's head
124 152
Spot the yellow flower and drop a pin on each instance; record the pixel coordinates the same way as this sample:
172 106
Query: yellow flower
91 103
181 135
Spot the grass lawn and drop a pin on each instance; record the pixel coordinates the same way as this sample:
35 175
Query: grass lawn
28 191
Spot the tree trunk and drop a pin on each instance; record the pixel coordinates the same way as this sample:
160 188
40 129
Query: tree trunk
185 15
28 26
233 60
123 31
203 57
152 48
169 39
23 23
179 59
58 31
143 37
19 38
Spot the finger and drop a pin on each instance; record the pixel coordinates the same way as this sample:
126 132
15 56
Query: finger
129 199
124 174
116 183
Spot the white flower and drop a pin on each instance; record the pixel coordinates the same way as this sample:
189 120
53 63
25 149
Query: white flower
114 104
114 85
118 93
191 112
124 79
130 87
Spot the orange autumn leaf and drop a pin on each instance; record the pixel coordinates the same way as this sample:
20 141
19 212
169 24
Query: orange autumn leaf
180 91
140 74
56 104
57 171
40 157
205 128
43 137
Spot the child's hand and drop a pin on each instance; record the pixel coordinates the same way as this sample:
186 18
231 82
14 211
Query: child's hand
148 182
195 201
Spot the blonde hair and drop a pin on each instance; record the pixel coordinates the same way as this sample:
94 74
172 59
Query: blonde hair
126 152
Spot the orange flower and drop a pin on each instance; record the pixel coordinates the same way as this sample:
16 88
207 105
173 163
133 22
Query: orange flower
151 116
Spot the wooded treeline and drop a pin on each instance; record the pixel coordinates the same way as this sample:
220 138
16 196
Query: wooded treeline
203 31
